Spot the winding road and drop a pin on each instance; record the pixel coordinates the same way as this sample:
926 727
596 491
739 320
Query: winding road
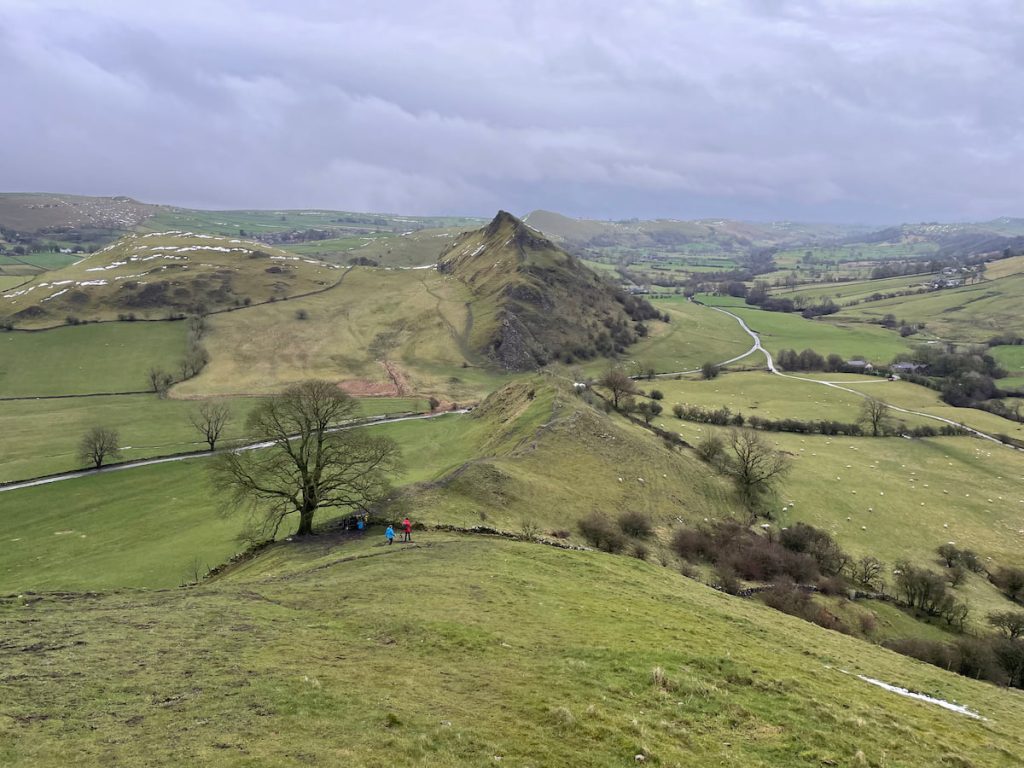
367 422
757 347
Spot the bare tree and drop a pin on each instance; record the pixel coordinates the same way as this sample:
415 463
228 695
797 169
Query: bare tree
159 380
875 414
310 463
98 445
1010 623
755 466
210 420
618 383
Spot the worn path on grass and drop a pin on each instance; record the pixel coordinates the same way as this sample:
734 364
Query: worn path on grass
367 422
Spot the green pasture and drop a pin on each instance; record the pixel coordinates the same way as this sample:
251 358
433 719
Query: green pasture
1011 358
11 281
970 313
901 495
83 359
141 527
853 291
762 394
457 651
41 437
695 335
784 330
918 398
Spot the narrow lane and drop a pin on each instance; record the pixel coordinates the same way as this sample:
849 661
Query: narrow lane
368 422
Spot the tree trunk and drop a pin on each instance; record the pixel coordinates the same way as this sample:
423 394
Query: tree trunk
305 521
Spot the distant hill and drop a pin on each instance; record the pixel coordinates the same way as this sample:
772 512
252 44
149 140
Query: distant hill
726 234
160 274
35 213
535 302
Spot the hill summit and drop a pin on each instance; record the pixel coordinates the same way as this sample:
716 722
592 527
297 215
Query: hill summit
535 303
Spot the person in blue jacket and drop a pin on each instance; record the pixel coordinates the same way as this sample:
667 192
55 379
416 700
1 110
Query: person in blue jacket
390 534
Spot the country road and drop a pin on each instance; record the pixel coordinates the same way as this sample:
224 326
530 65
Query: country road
370 421
835 385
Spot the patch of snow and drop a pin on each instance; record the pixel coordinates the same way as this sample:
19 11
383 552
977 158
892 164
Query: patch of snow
922 697
55 295
111 265
93 282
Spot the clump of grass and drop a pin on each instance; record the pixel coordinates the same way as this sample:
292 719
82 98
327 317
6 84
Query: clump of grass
660 679
562 717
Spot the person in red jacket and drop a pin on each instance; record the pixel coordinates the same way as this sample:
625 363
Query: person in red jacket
406 530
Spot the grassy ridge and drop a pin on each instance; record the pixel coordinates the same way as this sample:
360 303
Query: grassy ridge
150 276
457 652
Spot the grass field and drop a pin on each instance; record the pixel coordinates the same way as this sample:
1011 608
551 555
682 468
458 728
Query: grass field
917 398
143 527
10 281
757 393
858 290
695 335
417 319
1012 359
782 330
970 313
103 357
388 249
41 437
460 651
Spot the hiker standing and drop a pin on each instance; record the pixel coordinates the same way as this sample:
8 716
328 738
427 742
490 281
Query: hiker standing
390 535
406 530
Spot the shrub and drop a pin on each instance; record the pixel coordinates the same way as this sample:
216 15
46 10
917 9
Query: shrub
1011 582
727 580
657 394
600 532
640 551
711 448
638 524
692 545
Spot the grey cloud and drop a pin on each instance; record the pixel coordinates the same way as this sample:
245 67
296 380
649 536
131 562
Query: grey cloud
798 109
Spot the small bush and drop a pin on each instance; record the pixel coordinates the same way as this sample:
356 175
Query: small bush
656 394
602 533
636 524
727 580
640 551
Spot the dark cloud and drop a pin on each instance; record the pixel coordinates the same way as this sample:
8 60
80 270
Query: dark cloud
822 109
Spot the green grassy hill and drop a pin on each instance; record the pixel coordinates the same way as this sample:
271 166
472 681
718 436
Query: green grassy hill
534 302
150 276
461 651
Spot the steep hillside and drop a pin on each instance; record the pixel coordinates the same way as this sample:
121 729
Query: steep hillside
160 274
534 303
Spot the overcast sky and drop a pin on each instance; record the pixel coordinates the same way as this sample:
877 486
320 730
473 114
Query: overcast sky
874 111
